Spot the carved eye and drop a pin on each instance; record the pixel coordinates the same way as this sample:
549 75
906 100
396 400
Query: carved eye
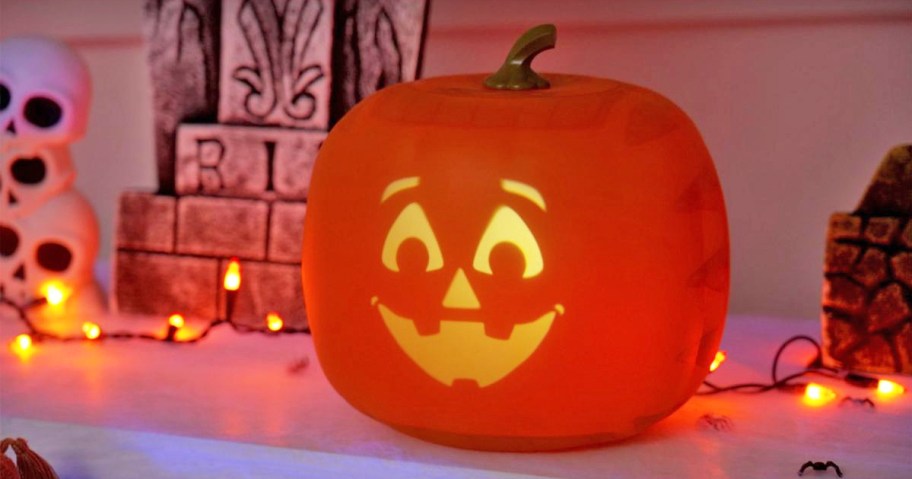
508 227
53 256
42 112
412 223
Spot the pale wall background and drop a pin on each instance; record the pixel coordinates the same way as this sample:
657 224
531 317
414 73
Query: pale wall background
797 100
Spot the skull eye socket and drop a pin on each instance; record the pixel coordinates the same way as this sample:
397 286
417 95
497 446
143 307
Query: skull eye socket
42 112
28 171
53 256
9 241
4 97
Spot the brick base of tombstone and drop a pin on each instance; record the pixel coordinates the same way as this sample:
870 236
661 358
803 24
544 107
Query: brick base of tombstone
173 251
241 194
867 293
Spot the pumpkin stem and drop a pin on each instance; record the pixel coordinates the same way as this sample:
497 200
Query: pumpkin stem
516 72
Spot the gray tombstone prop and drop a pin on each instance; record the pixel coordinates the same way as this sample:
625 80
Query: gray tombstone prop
244 92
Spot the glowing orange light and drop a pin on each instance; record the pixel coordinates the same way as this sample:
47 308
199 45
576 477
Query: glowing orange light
55 292
233 275
274 322
22 343
817 395
889 388
717 361
91 330
176 320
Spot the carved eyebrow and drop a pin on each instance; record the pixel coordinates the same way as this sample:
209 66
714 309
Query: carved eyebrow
398 186
525 191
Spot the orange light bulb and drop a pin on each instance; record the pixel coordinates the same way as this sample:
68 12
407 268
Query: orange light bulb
54 292
718 360
889 388
91 330
232 280
23 342
176 320
817 395
274 322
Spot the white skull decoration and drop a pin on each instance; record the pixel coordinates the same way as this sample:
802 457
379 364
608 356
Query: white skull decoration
30 175
45 92
58 242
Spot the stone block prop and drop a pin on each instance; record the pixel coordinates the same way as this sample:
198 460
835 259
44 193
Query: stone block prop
145 222
183 54
286 232
867 289
222 227
195 237
377 43
289 63
246 162
244 93
162 284
276 62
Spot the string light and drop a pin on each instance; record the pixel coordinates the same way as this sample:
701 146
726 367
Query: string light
91 330
887 388
231 283
232 280
54 292
175 323
274 322
22 343
817 395
814 394
718 360
176 320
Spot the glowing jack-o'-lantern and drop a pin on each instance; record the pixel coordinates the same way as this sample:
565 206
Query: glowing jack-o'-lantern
517 263
475 348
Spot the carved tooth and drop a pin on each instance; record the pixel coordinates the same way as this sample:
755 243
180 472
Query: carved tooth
498 329
427 326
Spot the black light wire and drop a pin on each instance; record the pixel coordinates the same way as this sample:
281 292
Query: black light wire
815 367
39 335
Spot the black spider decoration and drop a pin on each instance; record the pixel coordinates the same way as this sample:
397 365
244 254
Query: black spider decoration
861 402
819 466
716 421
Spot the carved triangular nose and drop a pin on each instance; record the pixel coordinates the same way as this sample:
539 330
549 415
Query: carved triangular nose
20 273
11 127
460 295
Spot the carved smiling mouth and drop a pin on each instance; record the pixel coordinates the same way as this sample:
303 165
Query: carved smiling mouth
462 350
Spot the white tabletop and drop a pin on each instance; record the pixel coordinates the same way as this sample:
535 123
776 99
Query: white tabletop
230 407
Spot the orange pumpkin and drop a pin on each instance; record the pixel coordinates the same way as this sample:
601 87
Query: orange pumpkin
516 269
